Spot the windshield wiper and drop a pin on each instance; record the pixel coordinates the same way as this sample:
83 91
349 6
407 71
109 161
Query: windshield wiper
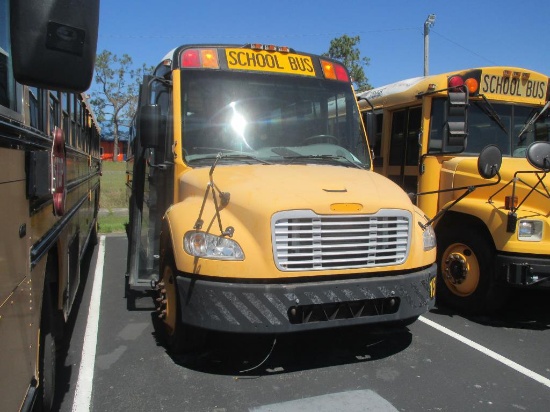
490 111
533 119
324 157
232 155
244 156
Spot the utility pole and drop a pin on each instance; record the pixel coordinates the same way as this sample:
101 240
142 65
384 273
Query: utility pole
430 21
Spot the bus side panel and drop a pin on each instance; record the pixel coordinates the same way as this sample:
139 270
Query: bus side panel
19 309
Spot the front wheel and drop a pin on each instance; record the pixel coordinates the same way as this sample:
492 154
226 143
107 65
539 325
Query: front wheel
466 271
180 338
47 354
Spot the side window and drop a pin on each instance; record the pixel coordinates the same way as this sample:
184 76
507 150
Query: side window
414 124
404 137
437 128
7 83
66 120
162 96
35 108
397 142
55 115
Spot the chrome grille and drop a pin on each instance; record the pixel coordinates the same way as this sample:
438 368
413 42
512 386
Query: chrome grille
303 240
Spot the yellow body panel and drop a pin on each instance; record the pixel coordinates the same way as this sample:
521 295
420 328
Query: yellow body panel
259 191
461 172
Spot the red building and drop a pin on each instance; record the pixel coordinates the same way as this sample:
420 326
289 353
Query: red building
107 150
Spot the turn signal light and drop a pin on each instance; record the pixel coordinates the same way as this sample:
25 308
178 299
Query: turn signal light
205 58
469 80
334 71
472 85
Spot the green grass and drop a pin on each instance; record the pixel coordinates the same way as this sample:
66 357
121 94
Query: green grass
113 197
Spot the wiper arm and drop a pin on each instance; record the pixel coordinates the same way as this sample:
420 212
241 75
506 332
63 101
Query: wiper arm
324 157
492 113
244 156
533 119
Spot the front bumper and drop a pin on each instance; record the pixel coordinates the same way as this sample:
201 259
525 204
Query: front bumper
292 307
523 271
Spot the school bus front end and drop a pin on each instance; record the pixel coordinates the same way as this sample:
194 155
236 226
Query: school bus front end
264 213
306 250
511 215
493 234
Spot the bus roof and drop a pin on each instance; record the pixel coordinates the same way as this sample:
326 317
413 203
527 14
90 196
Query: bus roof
503 83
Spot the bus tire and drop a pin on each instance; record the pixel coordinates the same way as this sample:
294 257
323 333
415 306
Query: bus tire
47 353
129 294
94 234
176 335
466 269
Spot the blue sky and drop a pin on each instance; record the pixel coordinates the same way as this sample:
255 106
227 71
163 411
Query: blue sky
466 33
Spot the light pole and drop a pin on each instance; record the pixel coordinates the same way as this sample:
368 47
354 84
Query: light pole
430 21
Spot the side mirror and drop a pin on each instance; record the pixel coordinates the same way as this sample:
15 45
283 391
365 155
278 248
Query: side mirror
150 121
538 155
457 122
54 42
370 125
489 161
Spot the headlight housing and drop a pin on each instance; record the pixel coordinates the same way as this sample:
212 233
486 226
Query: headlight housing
530 230
428 238
209 246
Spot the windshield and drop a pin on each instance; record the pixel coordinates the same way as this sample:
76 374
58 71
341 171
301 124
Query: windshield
270 119
496 123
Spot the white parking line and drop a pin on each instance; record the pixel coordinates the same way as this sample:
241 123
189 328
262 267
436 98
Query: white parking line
488 352
83 391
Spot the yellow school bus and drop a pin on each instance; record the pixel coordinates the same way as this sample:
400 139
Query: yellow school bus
253 204
49 187
425 133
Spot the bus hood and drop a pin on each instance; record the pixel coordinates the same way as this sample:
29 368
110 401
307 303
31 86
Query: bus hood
462 172
271 188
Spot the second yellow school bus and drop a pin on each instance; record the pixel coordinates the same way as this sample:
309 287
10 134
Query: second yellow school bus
253 206
426 140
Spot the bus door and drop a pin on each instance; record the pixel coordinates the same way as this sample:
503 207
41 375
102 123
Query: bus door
404 148
151 194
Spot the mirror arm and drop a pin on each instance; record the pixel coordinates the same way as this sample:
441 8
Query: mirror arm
469 189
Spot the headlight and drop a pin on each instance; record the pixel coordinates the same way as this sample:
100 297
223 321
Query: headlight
428 238
205 245
530 230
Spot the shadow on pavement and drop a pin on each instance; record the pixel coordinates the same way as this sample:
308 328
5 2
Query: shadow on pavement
64 371
247 356
525 309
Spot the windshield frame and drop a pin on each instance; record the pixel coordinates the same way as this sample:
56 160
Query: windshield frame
271 117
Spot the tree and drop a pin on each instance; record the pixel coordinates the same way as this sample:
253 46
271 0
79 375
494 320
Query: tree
345 49
117 90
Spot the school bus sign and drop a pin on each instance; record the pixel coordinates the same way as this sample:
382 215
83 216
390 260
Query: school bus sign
266 61
523 86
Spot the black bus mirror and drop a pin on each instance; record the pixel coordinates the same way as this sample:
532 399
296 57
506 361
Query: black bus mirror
489 161
538 155
457 122
150 122
370 125
54 43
